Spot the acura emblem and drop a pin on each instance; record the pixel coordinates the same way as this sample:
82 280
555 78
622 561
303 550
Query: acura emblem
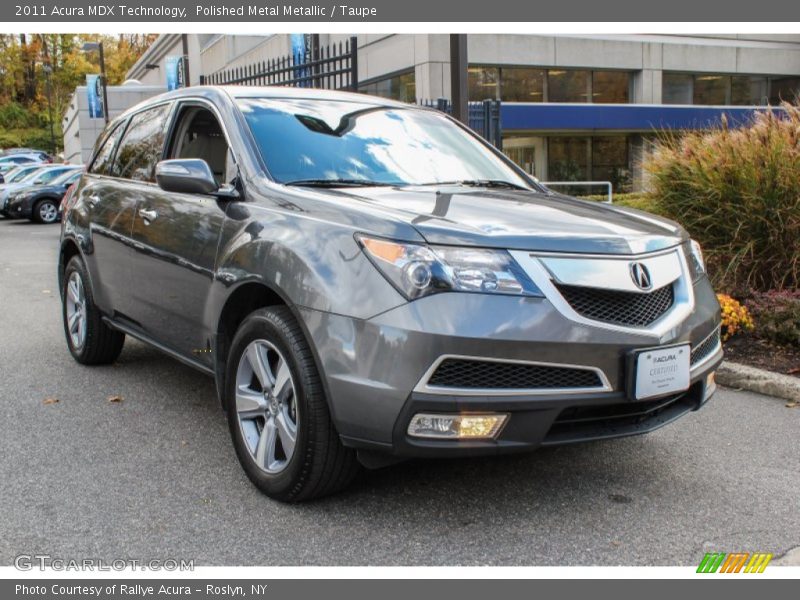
641 276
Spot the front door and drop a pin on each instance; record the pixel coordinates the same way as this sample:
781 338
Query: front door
175 237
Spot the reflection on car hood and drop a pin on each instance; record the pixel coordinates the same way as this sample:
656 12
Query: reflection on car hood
522 220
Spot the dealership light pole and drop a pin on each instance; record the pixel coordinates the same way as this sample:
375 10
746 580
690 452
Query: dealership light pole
91 47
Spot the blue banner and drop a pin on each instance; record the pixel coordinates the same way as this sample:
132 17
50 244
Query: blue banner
94 94
175 72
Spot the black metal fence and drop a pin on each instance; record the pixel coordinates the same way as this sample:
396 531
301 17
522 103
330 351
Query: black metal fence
333 67
484 118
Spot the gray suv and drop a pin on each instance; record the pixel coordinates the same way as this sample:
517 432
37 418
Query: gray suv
369 281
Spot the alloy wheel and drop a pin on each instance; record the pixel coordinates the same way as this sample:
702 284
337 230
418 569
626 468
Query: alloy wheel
266 406
48 212
76 310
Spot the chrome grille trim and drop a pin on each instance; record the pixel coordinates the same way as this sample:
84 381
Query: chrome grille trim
424 385
660 331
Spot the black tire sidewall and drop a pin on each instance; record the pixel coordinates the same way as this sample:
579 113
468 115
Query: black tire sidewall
271 325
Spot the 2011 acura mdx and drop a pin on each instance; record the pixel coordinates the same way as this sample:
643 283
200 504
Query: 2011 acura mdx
369 281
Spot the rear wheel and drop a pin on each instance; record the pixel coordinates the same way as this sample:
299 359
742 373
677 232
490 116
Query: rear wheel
45 211
90 341
277 412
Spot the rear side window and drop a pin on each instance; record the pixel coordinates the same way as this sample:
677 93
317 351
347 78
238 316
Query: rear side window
142 145
50 174
102 160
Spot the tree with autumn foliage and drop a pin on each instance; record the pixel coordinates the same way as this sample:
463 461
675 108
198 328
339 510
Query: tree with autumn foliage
39 73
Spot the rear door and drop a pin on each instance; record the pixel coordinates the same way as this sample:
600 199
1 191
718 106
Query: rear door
109 215
176 236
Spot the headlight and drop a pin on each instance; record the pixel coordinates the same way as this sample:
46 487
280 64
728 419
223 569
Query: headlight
417 270
696 258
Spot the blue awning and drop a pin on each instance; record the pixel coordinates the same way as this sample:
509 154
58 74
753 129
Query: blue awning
622 117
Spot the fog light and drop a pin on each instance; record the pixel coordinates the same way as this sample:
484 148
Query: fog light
456 426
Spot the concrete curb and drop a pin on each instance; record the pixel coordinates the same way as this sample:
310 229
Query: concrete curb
743 377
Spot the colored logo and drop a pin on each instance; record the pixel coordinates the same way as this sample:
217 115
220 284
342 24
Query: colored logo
737 562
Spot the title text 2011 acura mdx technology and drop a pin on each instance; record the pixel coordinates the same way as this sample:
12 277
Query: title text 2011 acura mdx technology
369 281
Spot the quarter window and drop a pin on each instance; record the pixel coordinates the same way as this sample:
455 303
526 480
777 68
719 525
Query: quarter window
142 145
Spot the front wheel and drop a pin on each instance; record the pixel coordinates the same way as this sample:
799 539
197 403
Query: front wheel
277 412
45 211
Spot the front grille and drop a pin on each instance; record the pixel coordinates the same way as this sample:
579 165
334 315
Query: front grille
619 307
479 374
706 347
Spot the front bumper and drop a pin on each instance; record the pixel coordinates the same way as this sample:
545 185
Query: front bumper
18 209
372 370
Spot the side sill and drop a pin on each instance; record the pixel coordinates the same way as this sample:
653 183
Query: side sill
135 333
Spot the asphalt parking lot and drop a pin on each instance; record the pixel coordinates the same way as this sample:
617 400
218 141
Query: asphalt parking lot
155 475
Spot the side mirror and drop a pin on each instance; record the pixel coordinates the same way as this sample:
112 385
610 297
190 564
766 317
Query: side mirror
186 176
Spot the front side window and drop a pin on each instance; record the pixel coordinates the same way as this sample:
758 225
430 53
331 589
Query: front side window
142 145
102 160
333 140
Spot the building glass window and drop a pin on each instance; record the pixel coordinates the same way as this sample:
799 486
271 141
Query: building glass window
748 91
401 87
610 87
610 161
711 89
567 86
519 84
677 88
784 89
568 158
596 158
483 83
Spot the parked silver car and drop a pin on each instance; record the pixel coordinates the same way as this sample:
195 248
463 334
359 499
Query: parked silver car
369 281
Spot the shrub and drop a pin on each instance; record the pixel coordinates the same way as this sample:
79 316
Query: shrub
735 317
778 316
737 191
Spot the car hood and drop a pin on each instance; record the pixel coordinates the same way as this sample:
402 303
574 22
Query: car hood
520 220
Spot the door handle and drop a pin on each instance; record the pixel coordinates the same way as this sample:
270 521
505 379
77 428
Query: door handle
148 214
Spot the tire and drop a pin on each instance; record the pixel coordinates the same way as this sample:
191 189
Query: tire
45 212
315 463
100 343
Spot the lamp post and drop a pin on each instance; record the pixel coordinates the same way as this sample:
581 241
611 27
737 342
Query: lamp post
91 47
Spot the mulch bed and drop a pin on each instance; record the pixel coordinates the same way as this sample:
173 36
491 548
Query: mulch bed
748 350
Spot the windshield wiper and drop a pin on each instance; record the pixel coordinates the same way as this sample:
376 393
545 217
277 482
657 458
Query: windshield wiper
487 183
338 183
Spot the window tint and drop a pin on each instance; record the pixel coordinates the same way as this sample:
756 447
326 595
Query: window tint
142 144
102 161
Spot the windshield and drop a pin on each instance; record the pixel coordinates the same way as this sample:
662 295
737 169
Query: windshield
21 174
319 140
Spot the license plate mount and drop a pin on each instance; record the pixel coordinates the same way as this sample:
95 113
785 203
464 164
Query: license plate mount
659 371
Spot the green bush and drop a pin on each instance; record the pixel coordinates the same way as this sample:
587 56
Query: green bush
737 191
13 116
777 316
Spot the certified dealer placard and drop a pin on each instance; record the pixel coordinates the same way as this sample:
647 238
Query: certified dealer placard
662 371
